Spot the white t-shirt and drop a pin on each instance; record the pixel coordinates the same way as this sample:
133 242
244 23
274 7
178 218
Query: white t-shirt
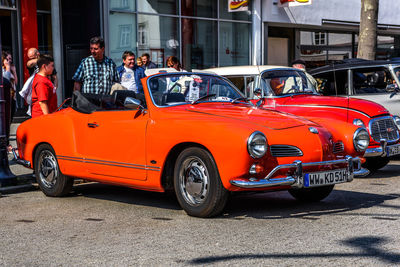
128 80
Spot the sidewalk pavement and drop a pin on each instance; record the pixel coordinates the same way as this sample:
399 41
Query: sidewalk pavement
24 175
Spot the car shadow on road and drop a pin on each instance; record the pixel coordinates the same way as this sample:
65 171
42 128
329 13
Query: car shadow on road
368 247
280 205
389 171
268 205
127 195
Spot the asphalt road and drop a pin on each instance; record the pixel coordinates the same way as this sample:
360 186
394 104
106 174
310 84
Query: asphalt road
99 225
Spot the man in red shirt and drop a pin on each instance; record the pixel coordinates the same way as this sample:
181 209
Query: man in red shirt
44 97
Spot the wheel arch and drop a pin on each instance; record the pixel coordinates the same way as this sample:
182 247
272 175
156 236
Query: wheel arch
34 152
168 169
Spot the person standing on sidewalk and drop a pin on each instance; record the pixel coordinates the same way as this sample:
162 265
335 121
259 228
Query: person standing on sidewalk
147 64
130 73
96 73
44 97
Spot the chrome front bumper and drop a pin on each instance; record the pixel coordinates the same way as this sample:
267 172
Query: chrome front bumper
353 166
380 151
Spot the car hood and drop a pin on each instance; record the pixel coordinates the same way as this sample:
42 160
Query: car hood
367 107
259 116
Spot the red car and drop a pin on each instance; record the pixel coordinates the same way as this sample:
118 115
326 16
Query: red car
295 91
192 133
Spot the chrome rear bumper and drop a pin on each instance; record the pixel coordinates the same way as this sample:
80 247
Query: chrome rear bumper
353 166
17 159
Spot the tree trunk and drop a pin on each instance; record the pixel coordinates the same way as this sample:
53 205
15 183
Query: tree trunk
368 26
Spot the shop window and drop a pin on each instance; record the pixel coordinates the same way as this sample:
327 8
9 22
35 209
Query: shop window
125 35
142 34
225 14
158 7
234 43
161 41
126 5
204 8
199 39
7 3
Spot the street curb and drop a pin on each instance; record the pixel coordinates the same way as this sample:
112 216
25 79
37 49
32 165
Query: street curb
17 189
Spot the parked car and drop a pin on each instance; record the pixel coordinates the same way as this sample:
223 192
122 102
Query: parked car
292 90
375 80
192 133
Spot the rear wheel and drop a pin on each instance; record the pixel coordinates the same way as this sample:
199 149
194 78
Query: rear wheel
311 194
374 164
48 175
197 184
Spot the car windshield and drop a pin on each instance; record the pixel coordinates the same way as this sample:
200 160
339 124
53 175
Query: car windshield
283 82
191 88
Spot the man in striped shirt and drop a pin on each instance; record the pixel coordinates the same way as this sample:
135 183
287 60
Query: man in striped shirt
96 73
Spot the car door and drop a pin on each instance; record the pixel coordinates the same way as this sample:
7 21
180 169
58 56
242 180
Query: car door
115 144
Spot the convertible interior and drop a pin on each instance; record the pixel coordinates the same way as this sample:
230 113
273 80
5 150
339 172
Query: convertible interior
88 103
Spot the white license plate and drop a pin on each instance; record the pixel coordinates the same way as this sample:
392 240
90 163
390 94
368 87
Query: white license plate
393 150
325 178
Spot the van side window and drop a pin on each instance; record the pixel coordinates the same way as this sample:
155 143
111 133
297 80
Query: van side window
332 83
371 80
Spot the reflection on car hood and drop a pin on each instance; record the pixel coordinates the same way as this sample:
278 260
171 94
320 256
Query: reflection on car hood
262 117
365 106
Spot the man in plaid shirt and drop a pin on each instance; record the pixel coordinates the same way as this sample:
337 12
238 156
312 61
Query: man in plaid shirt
96 73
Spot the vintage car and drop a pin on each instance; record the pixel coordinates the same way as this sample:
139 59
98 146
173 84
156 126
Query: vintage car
375 80
294 91
189 132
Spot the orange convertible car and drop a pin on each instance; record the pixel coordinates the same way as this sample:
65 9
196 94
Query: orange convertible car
194 133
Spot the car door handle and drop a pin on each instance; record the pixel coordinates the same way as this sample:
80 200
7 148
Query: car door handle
92 125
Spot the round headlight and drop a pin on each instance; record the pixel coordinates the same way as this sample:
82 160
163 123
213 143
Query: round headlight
358 122
257 145
361 139
397 121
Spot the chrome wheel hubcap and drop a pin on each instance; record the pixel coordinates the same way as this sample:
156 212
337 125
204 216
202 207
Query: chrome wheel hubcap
48 169
194 181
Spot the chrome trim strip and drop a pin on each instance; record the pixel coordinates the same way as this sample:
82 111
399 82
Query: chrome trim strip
109 163
296 181
323 106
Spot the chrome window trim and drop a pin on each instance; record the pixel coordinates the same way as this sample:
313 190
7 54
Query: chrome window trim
189 73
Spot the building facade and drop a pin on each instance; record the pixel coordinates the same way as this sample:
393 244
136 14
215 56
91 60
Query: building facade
201 33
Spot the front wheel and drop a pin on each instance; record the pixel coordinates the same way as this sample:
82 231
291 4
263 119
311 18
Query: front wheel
376 163
311 194
48 175
197 184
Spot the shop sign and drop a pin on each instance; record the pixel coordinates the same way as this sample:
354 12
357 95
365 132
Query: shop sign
238 5
290 3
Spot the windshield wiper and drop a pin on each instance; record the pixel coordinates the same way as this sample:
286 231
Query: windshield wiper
202 98
240 100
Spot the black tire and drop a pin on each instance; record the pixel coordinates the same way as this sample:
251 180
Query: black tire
311 194
376 163
48 175
205 196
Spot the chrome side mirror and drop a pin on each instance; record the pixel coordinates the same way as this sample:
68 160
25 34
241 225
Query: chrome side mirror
257 92
391 87
133 103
